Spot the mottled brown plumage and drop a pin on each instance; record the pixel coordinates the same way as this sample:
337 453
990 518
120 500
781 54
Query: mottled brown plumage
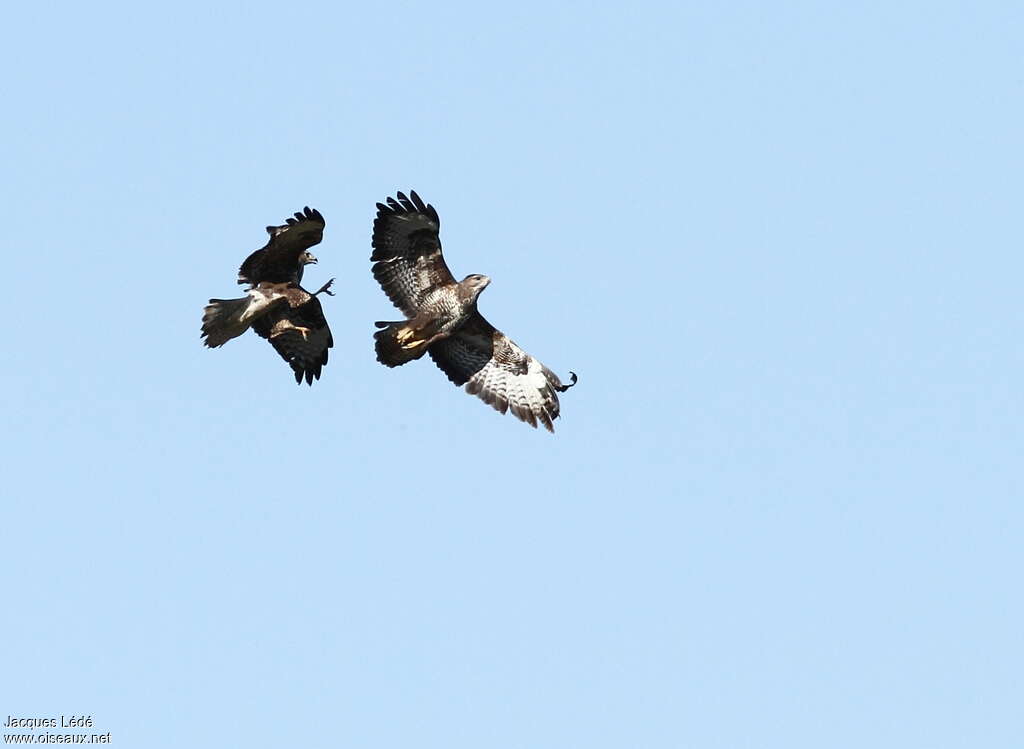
298 331
443 319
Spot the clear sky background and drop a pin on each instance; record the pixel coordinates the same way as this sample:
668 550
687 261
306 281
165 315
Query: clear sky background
779 243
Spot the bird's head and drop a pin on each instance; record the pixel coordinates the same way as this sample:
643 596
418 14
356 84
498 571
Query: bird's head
474 284
307 258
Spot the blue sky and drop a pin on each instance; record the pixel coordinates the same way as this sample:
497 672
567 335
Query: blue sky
780 244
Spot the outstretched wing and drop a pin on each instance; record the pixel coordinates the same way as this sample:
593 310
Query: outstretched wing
494 368
407 251
299 332
278 260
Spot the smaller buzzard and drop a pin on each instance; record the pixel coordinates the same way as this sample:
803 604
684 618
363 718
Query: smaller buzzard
277 308
442 318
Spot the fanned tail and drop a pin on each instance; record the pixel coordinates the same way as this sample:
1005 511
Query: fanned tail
224 319
399 342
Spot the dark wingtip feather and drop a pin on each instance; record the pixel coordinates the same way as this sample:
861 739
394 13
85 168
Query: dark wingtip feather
562 388
547 420
530 417
411 203
306 214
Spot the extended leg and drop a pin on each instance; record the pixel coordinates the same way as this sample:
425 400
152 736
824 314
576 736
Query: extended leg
325 289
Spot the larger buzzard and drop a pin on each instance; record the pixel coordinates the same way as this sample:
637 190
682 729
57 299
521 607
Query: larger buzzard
277 308
443 319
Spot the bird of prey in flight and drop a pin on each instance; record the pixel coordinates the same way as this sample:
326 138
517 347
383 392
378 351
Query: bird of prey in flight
442 319
277 308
